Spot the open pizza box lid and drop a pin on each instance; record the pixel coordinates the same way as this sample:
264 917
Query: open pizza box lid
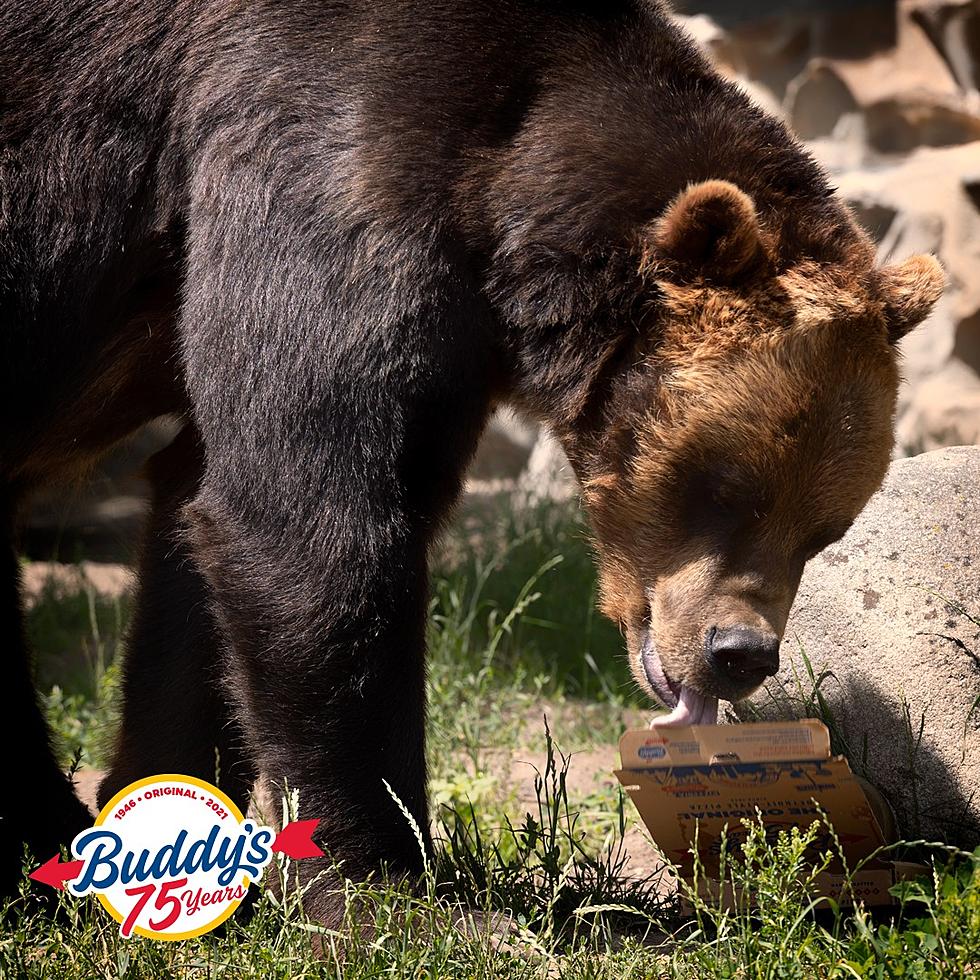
708 777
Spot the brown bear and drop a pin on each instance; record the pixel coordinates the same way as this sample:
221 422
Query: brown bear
331 238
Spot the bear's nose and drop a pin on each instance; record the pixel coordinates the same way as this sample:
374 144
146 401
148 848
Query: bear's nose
742 654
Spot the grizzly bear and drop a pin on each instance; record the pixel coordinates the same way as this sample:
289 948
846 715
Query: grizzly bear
331 239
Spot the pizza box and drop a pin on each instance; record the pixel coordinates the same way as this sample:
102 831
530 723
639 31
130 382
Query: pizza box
705 779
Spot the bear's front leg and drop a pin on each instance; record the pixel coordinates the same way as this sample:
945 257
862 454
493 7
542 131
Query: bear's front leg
328 678
339 387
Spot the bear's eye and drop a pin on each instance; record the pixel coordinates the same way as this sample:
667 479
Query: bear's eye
723 500
740 502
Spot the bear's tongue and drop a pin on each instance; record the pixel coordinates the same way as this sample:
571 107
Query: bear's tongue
692 709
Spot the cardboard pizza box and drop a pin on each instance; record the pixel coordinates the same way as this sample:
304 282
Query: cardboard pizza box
706 778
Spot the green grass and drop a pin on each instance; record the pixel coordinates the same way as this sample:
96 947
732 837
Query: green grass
561 636
76 635
776 928
533 901
522 887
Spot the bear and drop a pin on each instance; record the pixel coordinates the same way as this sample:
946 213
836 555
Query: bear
330 240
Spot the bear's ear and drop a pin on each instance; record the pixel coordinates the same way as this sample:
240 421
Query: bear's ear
909 291
711 230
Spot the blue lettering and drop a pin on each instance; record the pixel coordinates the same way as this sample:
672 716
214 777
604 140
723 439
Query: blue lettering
199 855
259 853
135 866
101 850
106 846
167 861
230 861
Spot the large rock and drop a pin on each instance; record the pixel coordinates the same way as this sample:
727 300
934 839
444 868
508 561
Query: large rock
906 91
906 97
517 458
769 42
548 475
886 612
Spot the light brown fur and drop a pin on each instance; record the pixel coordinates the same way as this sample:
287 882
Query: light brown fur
750 431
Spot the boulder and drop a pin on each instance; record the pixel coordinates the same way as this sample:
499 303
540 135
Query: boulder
768 53
548 475
966 344
903 122
818 98
883 618
770 42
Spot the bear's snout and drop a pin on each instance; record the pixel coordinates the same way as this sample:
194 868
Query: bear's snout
741 655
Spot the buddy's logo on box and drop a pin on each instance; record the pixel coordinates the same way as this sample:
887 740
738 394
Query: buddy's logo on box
171 857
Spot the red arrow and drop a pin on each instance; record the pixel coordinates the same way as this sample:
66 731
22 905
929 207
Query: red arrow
55 874
295 840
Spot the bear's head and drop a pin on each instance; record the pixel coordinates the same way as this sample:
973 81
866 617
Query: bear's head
743 433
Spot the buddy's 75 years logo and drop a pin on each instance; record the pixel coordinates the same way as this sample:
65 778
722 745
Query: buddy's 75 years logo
171 857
